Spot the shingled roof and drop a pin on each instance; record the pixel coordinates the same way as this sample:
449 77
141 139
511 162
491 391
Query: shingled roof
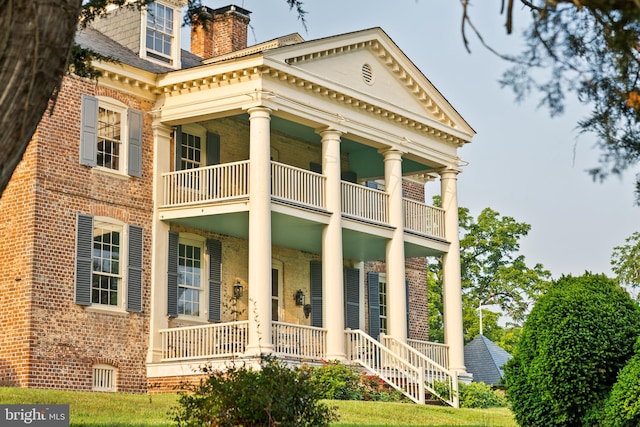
485 359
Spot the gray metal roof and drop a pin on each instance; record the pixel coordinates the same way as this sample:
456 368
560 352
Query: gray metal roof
90 38
485 359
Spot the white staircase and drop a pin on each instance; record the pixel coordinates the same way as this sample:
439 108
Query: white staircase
402 367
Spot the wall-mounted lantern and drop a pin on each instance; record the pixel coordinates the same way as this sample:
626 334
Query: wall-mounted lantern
238 290
299 297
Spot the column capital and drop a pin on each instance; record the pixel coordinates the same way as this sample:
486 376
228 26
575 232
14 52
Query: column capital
449 172
259 111
158 126
391 153
328 132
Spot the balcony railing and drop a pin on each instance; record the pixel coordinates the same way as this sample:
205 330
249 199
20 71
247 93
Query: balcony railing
196 342
230 181
423 219
365 203
208 184
297 185
305 342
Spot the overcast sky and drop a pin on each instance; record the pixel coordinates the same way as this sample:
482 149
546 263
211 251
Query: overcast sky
521 163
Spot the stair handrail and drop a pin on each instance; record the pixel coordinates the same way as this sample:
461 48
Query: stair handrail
380 360
433 372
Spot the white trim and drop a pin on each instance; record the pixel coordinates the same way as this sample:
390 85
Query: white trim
174 57
116 106
115 225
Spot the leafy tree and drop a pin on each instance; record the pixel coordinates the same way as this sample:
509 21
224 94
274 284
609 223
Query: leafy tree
625 261
492 273
574 342
35 49
587 48
622 408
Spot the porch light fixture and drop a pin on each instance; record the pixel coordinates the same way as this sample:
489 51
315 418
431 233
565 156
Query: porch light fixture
238 290
307 310
299 297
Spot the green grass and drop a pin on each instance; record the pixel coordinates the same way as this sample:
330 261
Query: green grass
127 410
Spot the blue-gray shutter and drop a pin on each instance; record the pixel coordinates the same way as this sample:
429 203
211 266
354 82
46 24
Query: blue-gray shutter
172 275
213 149
134 270
352 298
177 148
84 259
374 304
406 285
214 247
315 282
89 131
135 143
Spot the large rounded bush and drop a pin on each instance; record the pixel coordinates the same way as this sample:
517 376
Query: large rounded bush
575 341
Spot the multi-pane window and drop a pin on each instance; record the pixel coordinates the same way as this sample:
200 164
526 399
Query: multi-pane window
191 151
383 305
106 263
159 36
189 278
109 138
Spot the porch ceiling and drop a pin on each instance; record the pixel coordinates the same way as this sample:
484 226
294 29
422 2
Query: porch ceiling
364 160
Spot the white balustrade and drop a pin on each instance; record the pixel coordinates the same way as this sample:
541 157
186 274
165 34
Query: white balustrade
435 351
381 361
297 185
208 184
213 340
299 341
365 203
423 219
439 380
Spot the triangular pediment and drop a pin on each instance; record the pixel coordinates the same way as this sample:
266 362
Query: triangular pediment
368 66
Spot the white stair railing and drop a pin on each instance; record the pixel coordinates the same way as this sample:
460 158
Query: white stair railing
435 351
299 341
439 380
381 361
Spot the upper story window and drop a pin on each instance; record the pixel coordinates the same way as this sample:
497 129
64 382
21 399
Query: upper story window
195 147
190 277
111 136
191 151
160 30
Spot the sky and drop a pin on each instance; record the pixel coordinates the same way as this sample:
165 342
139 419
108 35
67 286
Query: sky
521 163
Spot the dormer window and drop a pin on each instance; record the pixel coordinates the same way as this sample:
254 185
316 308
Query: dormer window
160 34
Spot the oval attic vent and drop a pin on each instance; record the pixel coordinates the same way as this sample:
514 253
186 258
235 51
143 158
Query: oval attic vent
367 74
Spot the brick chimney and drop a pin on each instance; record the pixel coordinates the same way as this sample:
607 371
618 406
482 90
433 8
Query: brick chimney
226 32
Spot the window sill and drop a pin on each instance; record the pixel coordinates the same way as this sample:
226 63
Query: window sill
109 172
191 321
107 310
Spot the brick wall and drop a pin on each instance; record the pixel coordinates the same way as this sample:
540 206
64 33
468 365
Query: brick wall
66 340
225 34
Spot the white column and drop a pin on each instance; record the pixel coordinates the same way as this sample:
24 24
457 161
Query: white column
159 243
451 285
332 263
395 262
259 340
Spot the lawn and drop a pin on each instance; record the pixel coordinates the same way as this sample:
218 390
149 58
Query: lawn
127 410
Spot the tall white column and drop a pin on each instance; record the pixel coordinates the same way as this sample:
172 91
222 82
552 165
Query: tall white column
159 243
332 263
259 339
396 287
451 283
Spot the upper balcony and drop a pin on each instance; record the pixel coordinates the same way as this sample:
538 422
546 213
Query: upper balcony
225 187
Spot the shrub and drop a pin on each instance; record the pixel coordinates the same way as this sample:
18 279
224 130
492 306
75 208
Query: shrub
273 395
336 381
622 408
480 395
575 340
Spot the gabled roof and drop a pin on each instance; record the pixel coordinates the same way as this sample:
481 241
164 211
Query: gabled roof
485 360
